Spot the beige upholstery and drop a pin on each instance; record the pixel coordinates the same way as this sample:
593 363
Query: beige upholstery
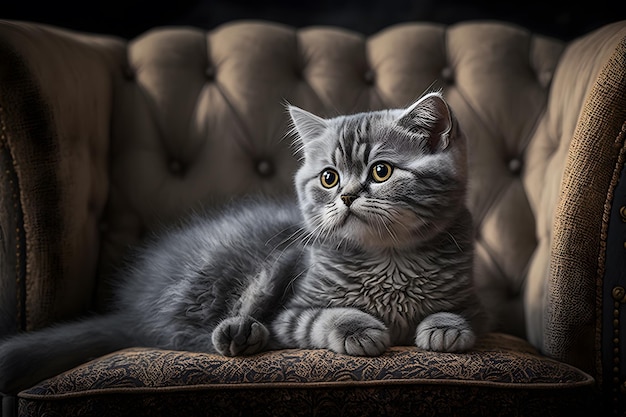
128 136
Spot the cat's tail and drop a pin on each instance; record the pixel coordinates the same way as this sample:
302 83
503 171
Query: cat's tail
28 358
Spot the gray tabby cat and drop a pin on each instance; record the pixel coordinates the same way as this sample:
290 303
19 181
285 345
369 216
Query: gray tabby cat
376 252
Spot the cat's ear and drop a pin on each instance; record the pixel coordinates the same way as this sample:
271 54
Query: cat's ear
431 118
307 125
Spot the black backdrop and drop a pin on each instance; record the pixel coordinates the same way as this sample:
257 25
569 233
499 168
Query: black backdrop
128 18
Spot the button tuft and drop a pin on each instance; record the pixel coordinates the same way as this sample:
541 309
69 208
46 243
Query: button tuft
209 73
265 168
447 75
175 167
128 72
515 166
369 77
544 78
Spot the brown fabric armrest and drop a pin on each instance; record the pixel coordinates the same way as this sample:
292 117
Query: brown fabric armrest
54 178
595 66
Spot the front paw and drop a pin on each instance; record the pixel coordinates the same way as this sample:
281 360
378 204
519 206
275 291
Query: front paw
358 335
240 335
445 332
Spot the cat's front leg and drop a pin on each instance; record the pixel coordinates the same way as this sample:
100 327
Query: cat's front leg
239 335
343 330
445 332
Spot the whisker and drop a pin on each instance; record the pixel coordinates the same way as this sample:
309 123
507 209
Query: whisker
455 242
293 237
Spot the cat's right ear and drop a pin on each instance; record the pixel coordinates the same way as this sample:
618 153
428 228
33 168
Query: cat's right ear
306 125
430 118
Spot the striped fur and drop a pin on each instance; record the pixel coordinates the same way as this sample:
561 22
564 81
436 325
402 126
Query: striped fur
395 266
381 257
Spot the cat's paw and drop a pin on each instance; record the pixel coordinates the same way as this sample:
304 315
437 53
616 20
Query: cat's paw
358 335
445 332
240 335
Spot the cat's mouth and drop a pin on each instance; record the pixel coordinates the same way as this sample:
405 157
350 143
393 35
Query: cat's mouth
352 215
362 224
374 225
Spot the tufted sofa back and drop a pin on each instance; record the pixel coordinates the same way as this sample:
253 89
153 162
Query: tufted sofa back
145 130
201 117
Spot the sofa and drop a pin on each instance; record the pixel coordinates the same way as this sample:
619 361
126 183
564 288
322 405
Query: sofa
104 140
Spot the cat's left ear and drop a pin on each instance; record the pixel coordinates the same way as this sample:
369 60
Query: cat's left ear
431 118
307 125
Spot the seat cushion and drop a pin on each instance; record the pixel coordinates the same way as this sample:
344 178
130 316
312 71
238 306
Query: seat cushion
502 375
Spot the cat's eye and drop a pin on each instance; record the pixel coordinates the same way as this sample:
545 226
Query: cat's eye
381 171
329 178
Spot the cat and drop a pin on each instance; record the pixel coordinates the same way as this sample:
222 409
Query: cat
376 250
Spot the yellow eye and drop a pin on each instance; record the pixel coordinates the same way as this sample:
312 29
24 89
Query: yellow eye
329 178
381 171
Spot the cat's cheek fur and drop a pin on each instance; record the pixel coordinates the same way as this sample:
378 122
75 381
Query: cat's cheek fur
445 332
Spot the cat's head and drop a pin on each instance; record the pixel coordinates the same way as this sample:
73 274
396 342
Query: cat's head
381 179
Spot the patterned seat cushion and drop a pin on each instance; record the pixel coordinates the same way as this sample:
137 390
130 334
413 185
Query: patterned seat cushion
502 375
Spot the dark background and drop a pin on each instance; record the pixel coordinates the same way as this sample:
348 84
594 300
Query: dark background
127 19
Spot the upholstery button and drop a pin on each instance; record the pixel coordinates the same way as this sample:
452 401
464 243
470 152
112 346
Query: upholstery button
209 73
369 77
447 74
265 168
515 166
622 213
175 167
544 77
128 72
618 294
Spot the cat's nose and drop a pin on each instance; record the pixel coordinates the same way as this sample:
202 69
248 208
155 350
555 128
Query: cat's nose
348 199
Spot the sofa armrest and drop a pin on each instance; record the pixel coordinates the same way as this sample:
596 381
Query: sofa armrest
574 315
54 179
12 265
